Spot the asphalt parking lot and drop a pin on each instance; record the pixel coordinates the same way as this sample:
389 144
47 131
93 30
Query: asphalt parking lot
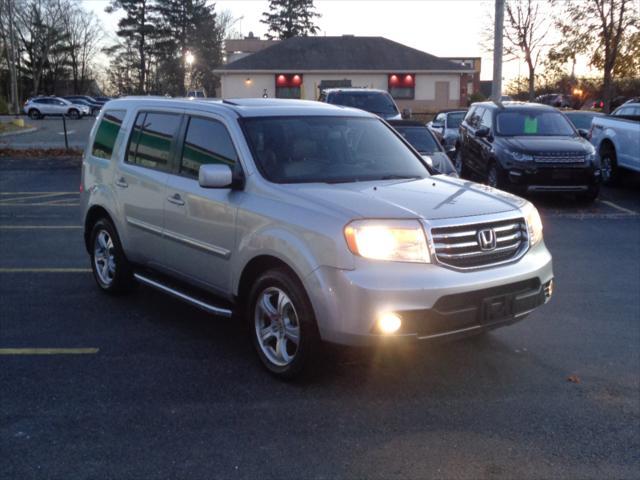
50 134
144 386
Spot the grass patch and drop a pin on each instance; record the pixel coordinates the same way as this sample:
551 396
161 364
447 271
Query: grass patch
40 153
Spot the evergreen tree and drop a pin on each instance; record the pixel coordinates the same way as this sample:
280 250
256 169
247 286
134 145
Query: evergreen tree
188 26
137 27
290 18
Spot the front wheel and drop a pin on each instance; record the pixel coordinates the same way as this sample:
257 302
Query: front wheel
73 114
282 323
495 176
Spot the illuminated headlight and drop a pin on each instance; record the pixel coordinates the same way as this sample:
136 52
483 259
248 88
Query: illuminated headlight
389 322
391 240
520 157
534 224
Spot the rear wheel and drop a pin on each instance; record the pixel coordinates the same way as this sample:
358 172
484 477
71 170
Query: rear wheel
34 114
608 165
110 267
282 323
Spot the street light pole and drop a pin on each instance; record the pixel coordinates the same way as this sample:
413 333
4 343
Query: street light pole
496 87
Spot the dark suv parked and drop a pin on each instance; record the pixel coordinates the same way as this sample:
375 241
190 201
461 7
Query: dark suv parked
527 147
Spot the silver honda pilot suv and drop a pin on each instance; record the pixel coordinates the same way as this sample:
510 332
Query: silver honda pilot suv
311 222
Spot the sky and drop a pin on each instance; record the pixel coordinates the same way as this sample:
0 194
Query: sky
445 28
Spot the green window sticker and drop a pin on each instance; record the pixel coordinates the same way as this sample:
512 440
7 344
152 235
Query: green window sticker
530 125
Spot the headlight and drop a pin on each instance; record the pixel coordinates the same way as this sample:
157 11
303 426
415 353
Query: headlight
591 154
392 240
520 157
534 224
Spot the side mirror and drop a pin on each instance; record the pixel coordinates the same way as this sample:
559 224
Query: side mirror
215 175
483 132
583 133
406 114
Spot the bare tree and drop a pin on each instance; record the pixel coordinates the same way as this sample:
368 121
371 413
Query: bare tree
39 30
84 34
527 25
526 30
7 31
600 26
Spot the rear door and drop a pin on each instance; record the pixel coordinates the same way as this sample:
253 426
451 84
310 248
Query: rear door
200 222
140 183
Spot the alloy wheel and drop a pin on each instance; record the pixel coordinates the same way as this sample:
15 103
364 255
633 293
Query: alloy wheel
104 258
606 168
277 326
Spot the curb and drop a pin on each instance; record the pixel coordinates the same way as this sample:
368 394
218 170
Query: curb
18 132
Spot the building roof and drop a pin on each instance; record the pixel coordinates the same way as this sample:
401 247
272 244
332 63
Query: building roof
347 52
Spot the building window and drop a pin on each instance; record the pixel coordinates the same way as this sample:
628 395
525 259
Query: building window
402 86
288 85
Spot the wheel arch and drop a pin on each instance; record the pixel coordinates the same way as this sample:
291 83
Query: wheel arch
257 266
95 213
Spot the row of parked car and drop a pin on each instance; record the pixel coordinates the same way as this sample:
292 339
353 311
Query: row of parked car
72 106
517 146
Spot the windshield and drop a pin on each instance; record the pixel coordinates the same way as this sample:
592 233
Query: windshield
455 119
329 149
374 102
420 138
533 123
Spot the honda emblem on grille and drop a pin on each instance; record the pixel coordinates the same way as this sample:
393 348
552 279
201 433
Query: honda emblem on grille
487 239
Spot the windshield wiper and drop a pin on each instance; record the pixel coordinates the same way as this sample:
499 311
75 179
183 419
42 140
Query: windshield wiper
399 177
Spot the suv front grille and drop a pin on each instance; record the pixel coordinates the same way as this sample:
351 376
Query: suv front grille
460 246
559 158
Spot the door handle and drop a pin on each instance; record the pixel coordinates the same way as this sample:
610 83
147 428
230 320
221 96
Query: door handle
176 199
122 182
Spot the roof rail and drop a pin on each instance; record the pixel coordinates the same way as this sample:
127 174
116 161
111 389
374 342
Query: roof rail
229 102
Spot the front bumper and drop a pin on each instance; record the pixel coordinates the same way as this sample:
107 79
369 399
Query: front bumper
554 179
434 302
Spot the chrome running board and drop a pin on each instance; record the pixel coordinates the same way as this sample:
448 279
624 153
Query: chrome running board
207 307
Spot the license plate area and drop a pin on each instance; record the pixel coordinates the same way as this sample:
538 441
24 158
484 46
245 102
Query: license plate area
495 309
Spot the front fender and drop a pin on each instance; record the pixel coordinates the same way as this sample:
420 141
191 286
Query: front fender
303 252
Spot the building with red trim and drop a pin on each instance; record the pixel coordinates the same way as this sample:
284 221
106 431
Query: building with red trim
301 67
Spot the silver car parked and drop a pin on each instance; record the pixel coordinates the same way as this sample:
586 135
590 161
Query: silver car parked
40 107
310 222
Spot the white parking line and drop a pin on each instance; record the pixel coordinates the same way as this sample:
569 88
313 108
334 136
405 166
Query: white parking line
39 227
44 270
49 351
618 207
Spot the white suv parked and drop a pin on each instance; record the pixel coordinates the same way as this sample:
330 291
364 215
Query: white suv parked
39 107
310 222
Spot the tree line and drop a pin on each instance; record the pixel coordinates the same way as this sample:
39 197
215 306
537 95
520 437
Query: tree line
44 43
549 36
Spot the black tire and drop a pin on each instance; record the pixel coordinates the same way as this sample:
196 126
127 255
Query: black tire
269 285
462 170
34 114
73 114
590 195
120 276
495 176
608 165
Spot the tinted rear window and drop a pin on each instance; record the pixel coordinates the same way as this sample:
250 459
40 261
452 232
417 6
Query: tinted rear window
533 123
151 138
107 133
374 102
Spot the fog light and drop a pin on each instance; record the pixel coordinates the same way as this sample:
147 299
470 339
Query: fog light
389 322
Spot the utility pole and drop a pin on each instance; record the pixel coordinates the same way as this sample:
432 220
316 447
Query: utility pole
496 87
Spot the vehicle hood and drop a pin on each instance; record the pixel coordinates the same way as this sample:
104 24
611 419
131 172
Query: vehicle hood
430 198
545 144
